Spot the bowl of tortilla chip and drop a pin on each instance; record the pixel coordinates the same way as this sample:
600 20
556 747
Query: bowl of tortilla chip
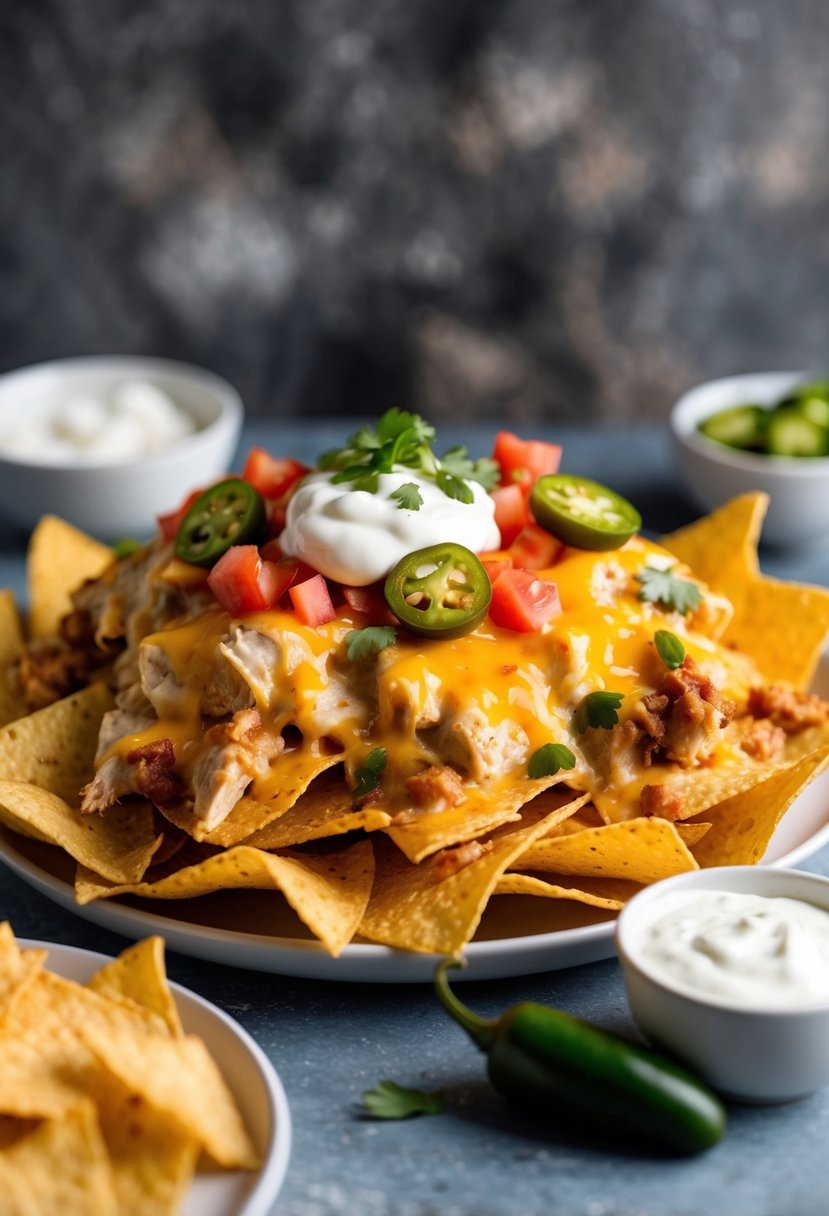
768 431
108 443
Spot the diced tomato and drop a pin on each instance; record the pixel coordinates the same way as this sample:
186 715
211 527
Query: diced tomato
523 461
271 551
242 582
169 524
496 566
535 549
370 602
522 602
312 601
272 476
511 512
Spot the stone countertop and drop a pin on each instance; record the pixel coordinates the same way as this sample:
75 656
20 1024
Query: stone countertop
331 1041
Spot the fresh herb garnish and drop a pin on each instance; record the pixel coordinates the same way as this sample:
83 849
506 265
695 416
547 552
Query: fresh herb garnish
404 440
549 759
388 1100
367 776
408 497
363 643
126 547
663 587
671 650
598 709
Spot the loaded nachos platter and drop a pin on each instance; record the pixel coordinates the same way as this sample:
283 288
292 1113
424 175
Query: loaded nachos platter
401 705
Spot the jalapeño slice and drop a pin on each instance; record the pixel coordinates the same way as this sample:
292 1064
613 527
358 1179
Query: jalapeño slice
229 513
439 592
583 513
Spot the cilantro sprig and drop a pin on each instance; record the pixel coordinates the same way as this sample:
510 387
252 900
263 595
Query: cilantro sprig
549 760
404 440
671 651
408 497
367 776
363 643
388 1100
663 587
598 709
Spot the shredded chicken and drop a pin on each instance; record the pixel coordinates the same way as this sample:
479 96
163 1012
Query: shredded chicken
450 861
789 709
235 753
660 801
155 773
683 718
436 788
763 739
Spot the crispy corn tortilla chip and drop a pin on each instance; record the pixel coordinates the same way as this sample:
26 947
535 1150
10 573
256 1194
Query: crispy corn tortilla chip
18 968
179 1078
481 812
293 770
118 845
325 809
329 893
60 1167
639 850
139 974
692 833
596 893
11 647
742 826
60 558
55 747
414 908
783 626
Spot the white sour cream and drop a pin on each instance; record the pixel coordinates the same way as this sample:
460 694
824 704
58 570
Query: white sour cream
746 950
134 418
357 538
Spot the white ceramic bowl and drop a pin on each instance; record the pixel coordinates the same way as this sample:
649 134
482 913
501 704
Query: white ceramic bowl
798 488
752 1054
115 499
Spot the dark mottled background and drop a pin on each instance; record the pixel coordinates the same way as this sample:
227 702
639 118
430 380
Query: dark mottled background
536 208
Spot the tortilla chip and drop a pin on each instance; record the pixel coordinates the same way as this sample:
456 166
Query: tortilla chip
414 908
325 809
692 833
118 845
62 1166
139 975
596 893
742 826
18 968
329 893
55 747
180 1079
11 648
638 850
60 558
482 811
783 626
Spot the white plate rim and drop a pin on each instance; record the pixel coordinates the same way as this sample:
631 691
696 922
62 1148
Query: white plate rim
271 1176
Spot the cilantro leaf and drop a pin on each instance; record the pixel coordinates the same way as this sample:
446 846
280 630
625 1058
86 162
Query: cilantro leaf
126 547
663 587
388 1100
363 643
547 760
453 487
408 496
671 650
598 709
396 422
486 470
368 774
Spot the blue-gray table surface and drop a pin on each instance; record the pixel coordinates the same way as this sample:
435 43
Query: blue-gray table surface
330 1041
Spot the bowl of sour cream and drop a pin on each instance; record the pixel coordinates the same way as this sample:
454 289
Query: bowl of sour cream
110 442
728 969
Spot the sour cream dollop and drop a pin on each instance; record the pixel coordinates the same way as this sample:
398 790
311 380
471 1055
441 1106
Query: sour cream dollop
357 538
742 949
132 419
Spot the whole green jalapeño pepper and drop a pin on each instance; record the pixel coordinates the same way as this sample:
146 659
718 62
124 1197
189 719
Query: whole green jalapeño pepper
229 513
442 591
557 1067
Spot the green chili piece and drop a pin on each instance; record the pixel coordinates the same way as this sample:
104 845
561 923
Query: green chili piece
229 513
556 1067
442 591
583 513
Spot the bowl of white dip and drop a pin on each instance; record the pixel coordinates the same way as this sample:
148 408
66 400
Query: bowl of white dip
728 969
110 442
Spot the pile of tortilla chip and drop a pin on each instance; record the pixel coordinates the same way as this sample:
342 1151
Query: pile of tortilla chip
346 871
106 1105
